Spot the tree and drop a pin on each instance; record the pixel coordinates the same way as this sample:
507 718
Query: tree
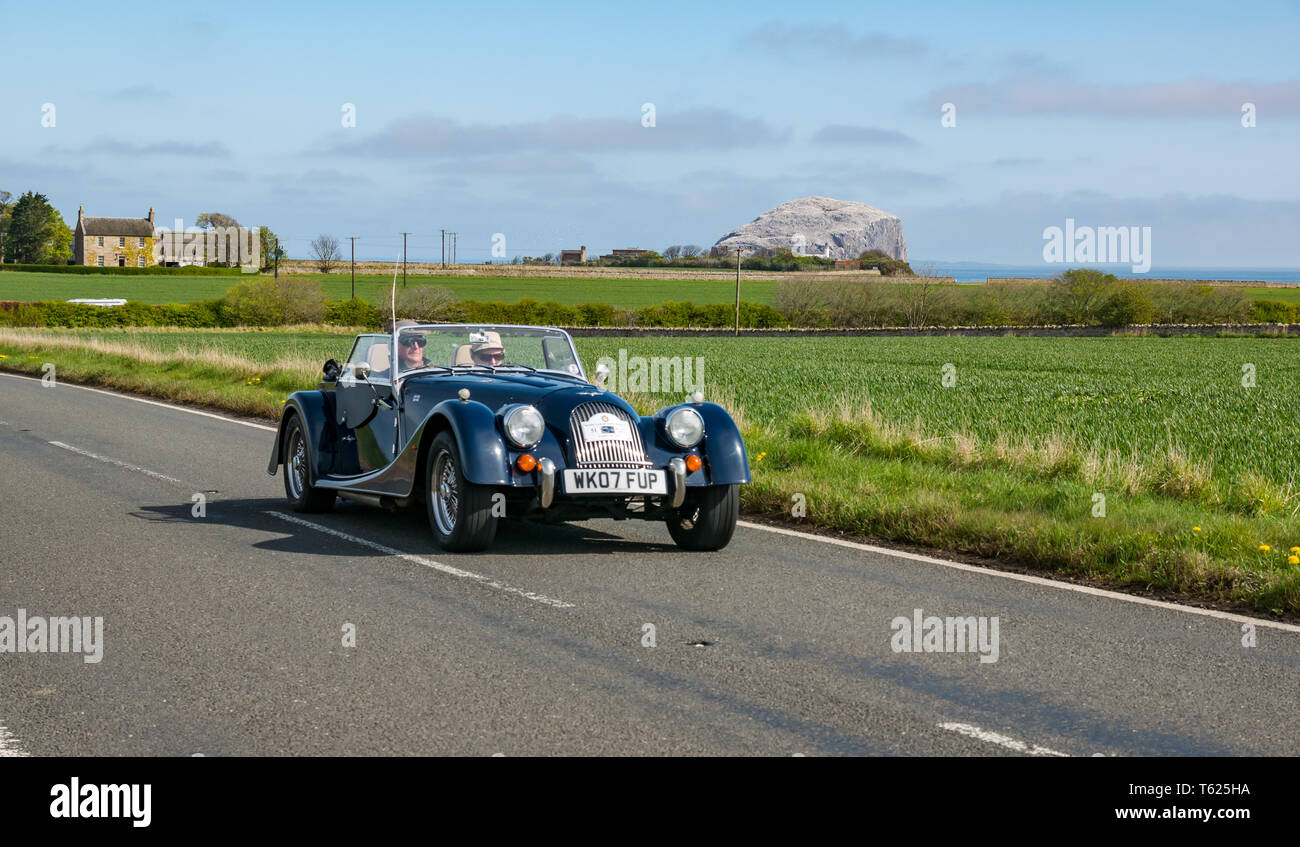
325 250
672 252
1083 292
214 220
4 220
923 297
36 232
58 249
271 247
691 251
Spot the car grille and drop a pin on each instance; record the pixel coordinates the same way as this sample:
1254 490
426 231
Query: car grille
619 453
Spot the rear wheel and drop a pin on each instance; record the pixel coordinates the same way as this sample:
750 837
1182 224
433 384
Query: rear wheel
303 496
707 520
460 512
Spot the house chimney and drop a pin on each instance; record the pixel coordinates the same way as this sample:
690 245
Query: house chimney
81 215
151 223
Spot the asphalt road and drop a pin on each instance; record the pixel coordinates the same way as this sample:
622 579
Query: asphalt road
223 634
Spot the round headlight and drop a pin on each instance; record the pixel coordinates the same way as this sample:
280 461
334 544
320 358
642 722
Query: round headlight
685 427
524 425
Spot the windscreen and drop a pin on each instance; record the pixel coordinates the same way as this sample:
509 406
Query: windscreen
486 346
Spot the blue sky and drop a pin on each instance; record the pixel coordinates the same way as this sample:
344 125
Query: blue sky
526 119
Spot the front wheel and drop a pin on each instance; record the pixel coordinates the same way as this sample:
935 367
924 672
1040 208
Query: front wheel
302 495
460 512
706 521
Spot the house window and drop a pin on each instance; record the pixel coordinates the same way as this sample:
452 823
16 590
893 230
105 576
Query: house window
140 262
99 242
99 260
141 244
121 241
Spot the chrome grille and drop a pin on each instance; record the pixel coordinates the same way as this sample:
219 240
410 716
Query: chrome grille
620 453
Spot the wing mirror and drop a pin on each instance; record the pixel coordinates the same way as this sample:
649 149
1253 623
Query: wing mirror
602 374
332 370
361 370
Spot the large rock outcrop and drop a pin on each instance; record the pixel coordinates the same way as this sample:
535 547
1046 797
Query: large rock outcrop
821 226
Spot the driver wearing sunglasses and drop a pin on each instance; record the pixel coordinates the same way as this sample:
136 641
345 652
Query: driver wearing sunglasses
410 351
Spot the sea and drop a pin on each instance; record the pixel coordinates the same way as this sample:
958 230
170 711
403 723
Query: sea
981 271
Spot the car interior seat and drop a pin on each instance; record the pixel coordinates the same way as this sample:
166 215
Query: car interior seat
462 359
378 357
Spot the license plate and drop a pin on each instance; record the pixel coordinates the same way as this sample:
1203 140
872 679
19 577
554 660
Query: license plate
615 481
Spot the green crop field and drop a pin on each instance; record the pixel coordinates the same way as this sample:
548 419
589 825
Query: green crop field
1122 395
1289 294
1165 464
623 293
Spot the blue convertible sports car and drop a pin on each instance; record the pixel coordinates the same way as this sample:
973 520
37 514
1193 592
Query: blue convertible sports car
486 422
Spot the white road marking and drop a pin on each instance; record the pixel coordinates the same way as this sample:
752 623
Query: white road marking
151 402
9 747
487 581
1001 740
1033 580
119 463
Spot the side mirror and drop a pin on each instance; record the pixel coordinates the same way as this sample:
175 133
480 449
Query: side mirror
602 374
361 370
332 370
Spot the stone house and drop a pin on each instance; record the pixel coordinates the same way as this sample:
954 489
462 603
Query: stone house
626 253
573 257
115 242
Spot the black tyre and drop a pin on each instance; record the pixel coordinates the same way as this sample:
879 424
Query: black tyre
707 520
460 512
303 496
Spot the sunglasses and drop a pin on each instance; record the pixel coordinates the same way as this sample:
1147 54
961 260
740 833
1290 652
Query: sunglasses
495 358
414 341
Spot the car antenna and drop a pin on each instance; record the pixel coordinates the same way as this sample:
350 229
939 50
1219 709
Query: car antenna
393 301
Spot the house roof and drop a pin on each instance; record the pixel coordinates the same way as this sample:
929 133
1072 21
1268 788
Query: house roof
119 226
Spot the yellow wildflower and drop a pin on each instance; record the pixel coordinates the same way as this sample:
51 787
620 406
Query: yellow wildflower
1293 560
1264 548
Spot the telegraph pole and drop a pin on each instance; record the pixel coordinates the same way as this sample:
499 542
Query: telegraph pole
737 291
404 258
353 238
277 258
444 248
453 249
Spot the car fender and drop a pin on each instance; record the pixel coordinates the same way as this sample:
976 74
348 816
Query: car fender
483 455
316 409
725 449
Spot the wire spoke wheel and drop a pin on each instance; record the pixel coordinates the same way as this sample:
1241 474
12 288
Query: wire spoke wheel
708 520
303 495
297 474
460 511
446 493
